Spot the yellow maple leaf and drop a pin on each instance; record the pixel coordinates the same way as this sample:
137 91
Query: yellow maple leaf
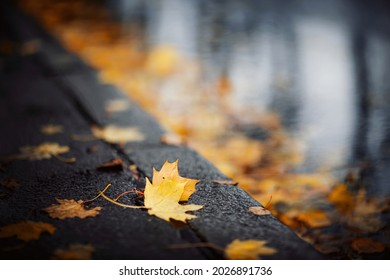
117 135
170 171
71 209
75 252
26 230
162 200
247 249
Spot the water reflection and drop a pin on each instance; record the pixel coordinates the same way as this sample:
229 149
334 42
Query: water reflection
307 61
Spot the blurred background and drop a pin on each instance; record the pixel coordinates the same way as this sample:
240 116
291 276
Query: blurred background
288 98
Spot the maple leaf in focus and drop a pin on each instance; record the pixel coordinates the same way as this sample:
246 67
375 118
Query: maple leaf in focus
51 129
26 230
75 252
162 200
71 209
44 151
170 171
117 135
247 250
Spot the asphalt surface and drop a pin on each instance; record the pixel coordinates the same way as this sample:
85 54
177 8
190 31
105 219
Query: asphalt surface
49 85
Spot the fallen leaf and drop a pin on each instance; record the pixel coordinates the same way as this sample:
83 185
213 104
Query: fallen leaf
44 151
11 184
26 230
116 105
367 246
170 171
342 198
162 200
113 165
134 171
365 215
248 250
71 209
172 139
51 129
259 210
314 218
117 135
75 252
226 182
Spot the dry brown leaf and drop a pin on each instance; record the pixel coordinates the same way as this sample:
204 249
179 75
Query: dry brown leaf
117 105
162 200
170 171
367 246
259 210
248 250
117 135
226 182
113 165
26 230
75 252
11 184
71 209
51 129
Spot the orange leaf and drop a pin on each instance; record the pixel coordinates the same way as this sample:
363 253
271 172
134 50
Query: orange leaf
75 252
368 246
71 209
26 230
248 250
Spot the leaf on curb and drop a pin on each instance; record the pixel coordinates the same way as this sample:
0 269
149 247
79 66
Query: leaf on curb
51 129
113 165
117 135
26 230
162 200
248 250
43 151
170 171
75 252
71 209
259 211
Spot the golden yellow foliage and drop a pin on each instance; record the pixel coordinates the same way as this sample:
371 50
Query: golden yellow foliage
71 209
162 61
75 252
26 230
248 250
117 135
170 171
162 200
